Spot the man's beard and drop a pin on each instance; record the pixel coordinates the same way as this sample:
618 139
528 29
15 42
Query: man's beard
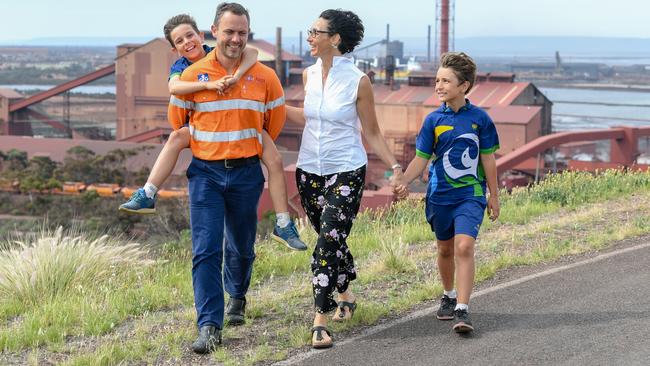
231 52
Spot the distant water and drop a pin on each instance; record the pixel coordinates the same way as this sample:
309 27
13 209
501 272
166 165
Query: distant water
85 89
576 109
573 109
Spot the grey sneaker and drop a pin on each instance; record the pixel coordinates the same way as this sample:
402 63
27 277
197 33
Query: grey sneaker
446 309
462 322
288 236
208 340
235 311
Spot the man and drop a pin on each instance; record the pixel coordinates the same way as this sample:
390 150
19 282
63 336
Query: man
225 177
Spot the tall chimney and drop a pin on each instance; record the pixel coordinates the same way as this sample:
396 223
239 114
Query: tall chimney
429 43
387 41
279 67
444 26
300 44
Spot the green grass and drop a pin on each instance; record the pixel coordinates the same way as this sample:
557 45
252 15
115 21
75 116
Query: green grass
143 313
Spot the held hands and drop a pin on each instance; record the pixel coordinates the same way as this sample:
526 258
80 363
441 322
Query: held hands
222 85
397 182
493 207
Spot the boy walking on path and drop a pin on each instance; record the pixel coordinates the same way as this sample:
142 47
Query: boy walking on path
462 140
225 176
185 38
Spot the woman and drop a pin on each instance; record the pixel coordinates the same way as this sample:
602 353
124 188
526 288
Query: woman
339 107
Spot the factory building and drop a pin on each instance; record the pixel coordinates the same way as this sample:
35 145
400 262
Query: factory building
141 85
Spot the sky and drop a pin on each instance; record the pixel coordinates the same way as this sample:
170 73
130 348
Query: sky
30 19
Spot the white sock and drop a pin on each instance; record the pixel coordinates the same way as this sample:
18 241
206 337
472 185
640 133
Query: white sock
283 219
451 294
460 306
150 190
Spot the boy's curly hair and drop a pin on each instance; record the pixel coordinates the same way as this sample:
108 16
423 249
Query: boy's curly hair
463 66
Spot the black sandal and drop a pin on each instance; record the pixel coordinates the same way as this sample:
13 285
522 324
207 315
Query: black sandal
341 313
320 342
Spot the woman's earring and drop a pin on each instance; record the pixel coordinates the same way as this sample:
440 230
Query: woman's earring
334 46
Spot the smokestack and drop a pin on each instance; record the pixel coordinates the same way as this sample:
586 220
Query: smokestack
279 67
429 43
444 26
300 44
387 43
387 33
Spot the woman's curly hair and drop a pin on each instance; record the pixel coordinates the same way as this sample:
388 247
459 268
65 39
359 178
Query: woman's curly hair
347 24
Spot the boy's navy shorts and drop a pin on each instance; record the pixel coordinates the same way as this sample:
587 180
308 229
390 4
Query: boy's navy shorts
464 217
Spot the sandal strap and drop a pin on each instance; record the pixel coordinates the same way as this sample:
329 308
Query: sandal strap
318 329
350 305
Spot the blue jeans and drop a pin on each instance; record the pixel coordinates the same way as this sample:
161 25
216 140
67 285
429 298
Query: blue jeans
222 202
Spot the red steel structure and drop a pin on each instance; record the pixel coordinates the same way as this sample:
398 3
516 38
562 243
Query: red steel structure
624 145
62 88
155 134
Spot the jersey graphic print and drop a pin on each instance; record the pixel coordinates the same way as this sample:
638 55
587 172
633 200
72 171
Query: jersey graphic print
469 164
456 140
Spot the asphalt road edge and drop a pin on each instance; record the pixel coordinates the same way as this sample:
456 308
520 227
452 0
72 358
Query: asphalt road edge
431 310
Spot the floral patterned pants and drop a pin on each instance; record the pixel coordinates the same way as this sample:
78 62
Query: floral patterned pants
331 203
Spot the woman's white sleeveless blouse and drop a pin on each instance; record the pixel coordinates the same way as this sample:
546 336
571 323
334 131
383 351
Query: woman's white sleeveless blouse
331 141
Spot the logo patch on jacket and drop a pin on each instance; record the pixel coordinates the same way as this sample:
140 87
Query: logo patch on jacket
203 77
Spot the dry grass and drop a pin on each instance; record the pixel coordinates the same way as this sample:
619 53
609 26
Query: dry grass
395 256
54 263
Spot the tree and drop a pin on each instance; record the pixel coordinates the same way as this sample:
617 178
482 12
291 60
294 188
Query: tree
17 160
83 165
78 165
39 175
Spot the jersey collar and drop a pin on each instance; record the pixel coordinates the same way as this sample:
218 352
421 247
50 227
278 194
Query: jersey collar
445 109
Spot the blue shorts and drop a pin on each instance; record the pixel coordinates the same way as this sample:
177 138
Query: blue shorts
464 217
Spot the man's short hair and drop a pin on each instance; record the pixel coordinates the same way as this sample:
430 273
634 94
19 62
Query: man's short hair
234 8
174 22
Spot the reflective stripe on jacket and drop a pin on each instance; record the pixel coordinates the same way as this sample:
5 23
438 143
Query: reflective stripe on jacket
229 126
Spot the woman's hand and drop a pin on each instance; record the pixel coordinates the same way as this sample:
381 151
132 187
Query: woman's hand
397 182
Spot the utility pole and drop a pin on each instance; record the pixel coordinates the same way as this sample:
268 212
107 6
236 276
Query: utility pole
66 113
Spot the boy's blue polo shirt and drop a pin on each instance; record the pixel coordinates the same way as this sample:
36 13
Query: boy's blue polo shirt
455 139
182 63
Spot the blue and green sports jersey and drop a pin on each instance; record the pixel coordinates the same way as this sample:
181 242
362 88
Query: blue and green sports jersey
182 63
456 139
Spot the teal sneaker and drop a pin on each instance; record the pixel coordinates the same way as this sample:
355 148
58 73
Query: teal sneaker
288 236
139 203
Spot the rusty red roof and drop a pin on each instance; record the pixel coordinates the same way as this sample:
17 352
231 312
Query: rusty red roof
10 93
266 50
492 94
514 114
55 149
484 94
269 48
